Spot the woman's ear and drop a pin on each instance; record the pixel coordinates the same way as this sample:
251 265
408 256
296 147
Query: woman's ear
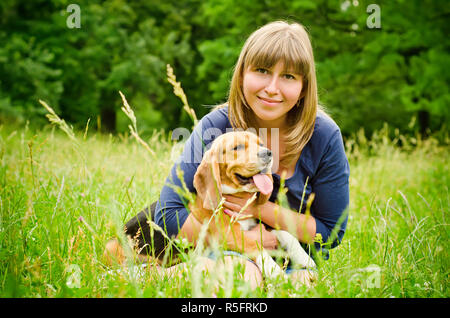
302 95
207 181
304 90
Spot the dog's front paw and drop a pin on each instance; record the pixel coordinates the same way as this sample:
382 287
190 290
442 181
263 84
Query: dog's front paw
268 266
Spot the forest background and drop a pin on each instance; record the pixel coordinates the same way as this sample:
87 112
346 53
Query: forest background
376 63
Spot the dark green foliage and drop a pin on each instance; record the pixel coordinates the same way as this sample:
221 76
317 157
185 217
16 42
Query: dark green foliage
366 76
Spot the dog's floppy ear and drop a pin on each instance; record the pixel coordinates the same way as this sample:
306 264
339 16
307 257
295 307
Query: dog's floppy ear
207 181
263 198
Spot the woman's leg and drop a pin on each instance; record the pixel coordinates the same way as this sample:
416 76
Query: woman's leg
138 229
217 270
252 273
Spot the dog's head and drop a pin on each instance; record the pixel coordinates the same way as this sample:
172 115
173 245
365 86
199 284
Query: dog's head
236 162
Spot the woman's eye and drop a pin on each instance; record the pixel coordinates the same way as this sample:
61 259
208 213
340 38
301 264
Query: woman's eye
261 70
289 76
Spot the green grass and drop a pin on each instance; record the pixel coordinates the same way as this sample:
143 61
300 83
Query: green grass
61 200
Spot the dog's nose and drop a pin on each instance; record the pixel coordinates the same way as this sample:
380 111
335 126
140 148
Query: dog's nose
265 155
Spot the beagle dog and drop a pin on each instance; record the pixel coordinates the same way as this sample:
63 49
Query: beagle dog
238 162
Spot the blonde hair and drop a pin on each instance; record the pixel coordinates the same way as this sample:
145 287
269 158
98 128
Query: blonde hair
289 43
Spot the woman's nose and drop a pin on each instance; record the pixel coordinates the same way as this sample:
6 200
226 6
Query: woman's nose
272 86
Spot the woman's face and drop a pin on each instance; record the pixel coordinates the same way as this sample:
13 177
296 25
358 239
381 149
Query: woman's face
271 93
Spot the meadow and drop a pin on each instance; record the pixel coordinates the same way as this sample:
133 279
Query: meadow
64 194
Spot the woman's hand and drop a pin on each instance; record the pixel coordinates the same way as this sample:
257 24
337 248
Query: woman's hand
267 239
235 204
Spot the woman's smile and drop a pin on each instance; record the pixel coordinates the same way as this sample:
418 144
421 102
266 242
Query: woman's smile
271 92
269 101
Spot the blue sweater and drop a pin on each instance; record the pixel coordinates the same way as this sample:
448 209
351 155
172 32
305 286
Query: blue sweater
323 161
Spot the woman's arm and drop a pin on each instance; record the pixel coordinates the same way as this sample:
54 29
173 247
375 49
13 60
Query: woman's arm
191 230
272 214
300 225
171 209
330 185
331 188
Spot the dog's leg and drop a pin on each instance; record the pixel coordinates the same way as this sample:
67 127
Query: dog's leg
268 266
293 248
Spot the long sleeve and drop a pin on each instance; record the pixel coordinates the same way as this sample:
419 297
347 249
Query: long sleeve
171 212
331 187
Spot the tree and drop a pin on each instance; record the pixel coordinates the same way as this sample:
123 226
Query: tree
375 63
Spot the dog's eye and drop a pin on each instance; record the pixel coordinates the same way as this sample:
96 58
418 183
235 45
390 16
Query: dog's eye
239 147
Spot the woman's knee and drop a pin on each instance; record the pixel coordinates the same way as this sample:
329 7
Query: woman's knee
251 272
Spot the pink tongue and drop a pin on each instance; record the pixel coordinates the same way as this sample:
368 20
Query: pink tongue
263 183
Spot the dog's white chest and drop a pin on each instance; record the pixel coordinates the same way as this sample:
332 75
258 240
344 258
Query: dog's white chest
247 224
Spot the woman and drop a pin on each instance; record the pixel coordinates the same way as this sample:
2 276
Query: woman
273 90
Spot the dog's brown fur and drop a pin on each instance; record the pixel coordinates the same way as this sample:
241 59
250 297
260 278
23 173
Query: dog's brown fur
230 154
219 167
